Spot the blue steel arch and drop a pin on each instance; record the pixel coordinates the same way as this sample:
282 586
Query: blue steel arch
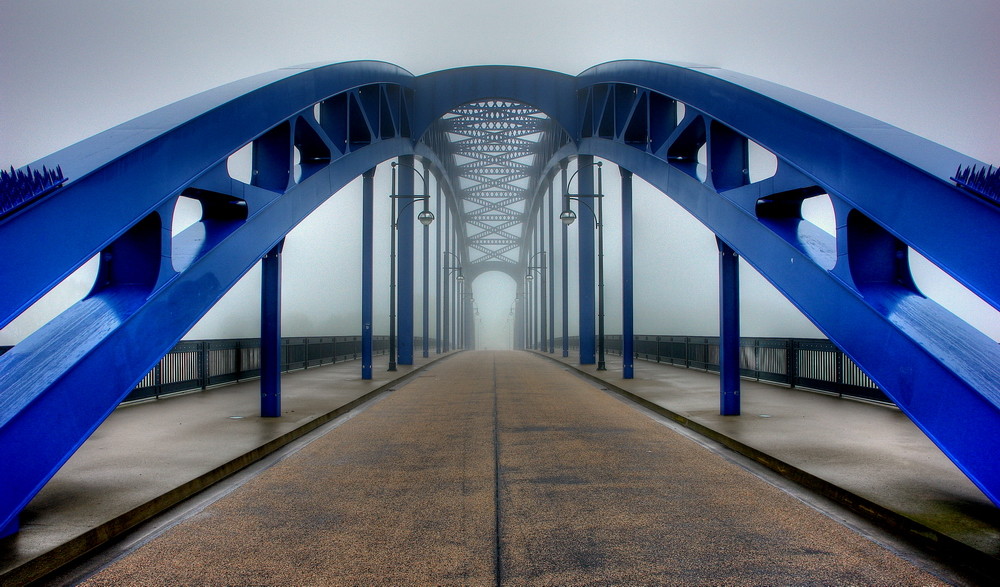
889 189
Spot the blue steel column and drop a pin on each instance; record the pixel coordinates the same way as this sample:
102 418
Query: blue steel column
270 333
425 348
565 268
367 269
729 330
628 326
446 262
585 238
437 271
550 344
404 271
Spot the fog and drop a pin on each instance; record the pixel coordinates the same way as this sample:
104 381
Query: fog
73 69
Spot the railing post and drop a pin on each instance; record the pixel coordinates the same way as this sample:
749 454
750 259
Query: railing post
792 362
840 372
158 377
203 364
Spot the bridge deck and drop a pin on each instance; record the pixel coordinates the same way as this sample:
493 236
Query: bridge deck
584 487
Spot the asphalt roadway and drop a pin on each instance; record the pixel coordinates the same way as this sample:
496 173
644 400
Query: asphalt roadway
485 470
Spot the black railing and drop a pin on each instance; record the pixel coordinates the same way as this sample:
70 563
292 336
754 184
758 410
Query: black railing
815 364
199 364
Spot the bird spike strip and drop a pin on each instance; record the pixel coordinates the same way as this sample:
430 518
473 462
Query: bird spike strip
982 181
21 186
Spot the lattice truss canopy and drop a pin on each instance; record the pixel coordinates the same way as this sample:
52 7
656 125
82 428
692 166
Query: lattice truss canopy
494 152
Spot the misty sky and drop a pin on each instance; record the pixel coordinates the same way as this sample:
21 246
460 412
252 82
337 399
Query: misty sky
71 69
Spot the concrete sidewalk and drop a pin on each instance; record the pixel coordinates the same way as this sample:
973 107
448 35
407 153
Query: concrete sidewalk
868 457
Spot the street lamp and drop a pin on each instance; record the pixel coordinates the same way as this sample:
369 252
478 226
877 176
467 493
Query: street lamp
567 216
425 217
449 270
531 269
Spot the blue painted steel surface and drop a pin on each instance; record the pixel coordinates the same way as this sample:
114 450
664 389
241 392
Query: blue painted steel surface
889 189
628 299
367 269
153 287
425 330
729 330
565 266
585 259
270 333
404 264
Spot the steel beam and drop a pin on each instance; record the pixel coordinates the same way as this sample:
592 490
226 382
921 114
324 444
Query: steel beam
729 330
404 263
628 301
270 333
367 269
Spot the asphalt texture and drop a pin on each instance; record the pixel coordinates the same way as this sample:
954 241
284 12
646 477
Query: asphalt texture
484 471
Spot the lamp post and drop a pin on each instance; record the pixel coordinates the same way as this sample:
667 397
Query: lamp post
567 216
425 217
543 334
446 309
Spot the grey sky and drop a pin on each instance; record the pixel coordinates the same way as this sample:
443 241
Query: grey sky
71 69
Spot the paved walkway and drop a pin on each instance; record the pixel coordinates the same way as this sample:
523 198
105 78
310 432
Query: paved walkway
500 468
148 456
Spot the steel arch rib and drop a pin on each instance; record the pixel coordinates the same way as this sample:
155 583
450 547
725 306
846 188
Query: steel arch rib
889 189
122 185
61 382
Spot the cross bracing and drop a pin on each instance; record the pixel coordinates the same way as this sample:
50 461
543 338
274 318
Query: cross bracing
493 152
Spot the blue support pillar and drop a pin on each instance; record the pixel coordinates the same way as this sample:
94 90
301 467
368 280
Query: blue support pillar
729 330
426 318
270 333
628 306
550 344
404 272
565 269
438 333
367 269
585 236
445 303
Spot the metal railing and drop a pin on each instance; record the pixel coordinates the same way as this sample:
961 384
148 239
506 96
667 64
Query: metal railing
199 364
815 364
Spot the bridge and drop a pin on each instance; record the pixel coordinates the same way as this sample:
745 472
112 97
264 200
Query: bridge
516 156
